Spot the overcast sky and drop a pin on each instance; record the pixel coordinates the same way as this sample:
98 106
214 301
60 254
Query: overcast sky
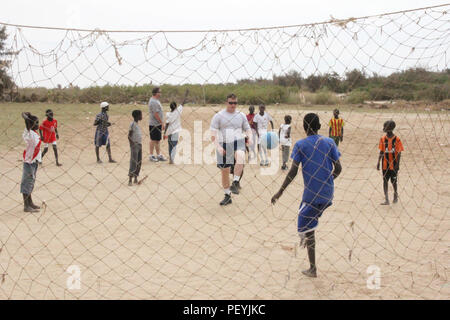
192 14
381 45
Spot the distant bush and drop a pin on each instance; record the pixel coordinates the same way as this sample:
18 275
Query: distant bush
357 97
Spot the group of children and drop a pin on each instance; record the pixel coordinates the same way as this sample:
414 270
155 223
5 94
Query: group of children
390 146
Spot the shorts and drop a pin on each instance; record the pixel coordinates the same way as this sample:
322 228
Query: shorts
336 140
28 177
101 139
155 133
308 216
227 160
47 143
390 175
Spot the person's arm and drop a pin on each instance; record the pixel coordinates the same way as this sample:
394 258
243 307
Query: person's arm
290 176
40 133
248 133
271 123
57 134
130 133
342 134
256 129
379 159
329 132
216 141
156 115
337 169
288 133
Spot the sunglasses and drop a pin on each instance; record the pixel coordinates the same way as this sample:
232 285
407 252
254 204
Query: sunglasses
232 102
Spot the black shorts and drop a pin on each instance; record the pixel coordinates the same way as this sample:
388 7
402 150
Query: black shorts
227 160
155 133
390 174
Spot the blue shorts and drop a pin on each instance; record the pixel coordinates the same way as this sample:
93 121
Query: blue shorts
308 216
101 139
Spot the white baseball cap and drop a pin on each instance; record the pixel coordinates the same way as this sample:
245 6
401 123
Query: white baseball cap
104 104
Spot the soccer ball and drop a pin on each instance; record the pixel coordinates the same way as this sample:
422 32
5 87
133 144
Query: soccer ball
269 140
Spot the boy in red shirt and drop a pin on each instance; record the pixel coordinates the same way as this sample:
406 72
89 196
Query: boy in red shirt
49 134
390 151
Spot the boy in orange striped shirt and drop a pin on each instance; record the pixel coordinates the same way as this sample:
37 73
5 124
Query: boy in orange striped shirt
390 151
336 125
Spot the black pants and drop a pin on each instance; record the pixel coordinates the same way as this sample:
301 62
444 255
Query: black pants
135 160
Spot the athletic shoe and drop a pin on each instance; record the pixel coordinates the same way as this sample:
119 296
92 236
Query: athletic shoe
226 200
235 187
153 159
161 158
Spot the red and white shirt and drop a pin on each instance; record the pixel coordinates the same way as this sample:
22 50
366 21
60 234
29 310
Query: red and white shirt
32 152
48 130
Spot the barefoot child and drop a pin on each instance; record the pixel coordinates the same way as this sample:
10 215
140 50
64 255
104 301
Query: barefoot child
285 140
49 134
31 157
319 158
173 129
102 133
135 139
261 121
390 151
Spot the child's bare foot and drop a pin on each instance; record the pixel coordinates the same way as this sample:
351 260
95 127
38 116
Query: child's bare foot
99 161
385 203
311 272
136 181
130 183
112 161
395 199
58 164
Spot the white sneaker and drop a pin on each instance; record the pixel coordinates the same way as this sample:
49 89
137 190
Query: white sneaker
153 158
161 158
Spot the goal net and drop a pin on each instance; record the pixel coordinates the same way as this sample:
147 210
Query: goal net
95 237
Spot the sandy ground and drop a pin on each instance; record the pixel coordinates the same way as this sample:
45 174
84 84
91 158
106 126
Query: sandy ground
169 238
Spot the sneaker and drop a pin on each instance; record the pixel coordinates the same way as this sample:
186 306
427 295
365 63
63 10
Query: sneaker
161 158
312 273
284 167
395 199
112 161
226 200
30 209
235 187
153 159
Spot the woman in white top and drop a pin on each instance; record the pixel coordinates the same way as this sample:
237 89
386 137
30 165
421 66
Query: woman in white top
173 128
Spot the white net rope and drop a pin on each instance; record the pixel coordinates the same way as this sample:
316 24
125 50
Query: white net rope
168 237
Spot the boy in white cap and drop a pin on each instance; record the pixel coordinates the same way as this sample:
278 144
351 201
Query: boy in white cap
102 133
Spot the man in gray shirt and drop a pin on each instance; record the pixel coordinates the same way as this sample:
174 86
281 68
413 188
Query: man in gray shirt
228 127
156 125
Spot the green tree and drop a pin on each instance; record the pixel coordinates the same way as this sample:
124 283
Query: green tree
6 82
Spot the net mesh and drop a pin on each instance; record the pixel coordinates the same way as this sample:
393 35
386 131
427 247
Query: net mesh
168 237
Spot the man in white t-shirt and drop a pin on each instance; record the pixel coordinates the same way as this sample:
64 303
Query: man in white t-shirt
227 133
261 121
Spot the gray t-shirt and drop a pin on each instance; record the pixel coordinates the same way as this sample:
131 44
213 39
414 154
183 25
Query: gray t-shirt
155 106
136 134
230 126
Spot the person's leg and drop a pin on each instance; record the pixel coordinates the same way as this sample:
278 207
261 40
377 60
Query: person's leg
385 187
45 151
310 244
285 154
55 151
239 156
133 164
226 186
97 153
394 185
139 162
266 160
27 185
108 149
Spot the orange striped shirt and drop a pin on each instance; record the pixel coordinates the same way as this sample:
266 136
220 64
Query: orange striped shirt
391 147
336 126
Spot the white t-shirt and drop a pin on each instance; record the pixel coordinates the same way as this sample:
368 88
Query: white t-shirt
283 132
230 126
32 153
262 121
174 120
